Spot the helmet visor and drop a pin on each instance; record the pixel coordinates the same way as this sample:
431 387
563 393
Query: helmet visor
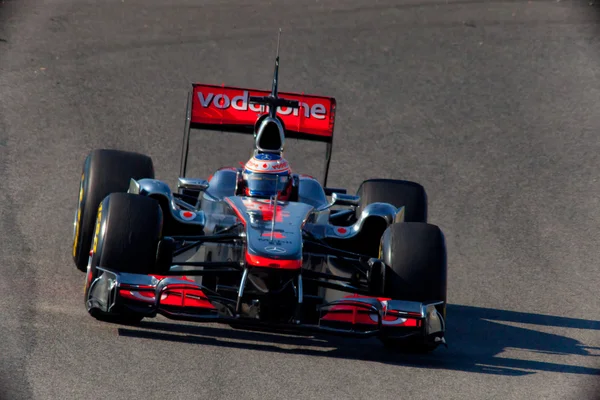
265 184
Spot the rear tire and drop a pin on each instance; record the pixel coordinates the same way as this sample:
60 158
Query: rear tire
104 172
126 240
416 270
398 193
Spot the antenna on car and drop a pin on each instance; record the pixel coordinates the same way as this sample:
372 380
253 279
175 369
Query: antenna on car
273 101
276 73
269 131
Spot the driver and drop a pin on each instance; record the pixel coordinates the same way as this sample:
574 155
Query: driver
265 175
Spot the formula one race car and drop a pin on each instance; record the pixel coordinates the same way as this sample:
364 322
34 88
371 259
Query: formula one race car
260 246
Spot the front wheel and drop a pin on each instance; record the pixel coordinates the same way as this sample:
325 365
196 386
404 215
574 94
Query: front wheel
416 270
126 239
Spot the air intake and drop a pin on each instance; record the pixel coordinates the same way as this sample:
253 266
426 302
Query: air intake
269 136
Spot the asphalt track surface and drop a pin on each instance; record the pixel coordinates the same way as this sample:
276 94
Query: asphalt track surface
493 106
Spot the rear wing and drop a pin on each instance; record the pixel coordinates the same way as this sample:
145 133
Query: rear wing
233 109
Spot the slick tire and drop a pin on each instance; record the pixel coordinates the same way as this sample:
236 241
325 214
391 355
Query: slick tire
398 193
104 172
415 259
126 239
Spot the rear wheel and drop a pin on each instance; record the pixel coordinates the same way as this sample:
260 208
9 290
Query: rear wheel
398 193
409 195
126 240
416 270
104 172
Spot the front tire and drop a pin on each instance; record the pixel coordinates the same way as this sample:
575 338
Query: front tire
126 239
416 270
104 172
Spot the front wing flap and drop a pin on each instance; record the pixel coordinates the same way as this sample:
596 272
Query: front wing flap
184 299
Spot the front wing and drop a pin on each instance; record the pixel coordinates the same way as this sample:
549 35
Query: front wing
181 298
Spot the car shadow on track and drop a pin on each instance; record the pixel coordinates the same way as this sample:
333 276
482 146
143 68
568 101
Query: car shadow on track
476 337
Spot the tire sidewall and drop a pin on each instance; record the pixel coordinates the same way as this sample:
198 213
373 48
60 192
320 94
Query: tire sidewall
99 232
84 215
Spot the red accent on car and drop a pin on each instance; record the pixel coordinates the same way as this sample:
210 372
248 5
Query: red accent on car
266 210
185 298
228 105
359 315
258 261
276 235
182 296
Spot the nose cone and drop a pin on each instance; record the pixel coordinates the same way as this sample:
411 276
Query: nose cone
269 136
273 231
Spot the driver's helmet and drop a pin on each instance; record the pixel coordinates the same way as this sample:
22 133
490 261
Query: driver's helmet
265 175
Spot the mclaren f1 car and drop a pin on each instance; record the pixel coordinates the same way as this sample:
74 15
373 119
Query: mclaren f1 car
302 257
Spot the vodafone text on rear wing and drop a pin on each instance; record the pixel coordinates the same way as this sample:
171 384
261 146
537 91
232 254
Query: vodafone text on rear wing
228 109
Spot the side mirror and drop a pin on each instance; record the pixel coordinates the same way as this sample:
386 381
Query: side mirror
192 184
339 199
